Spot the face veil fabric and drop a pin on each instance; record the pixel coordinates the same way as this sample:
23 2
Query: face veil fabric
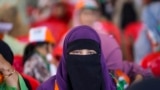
84 71
64 75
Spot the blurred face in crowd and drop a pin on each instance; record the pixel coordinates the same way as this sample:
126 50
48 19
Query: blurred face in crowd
88 16
59 10
44 49
8 19
8 15
39 10
40 14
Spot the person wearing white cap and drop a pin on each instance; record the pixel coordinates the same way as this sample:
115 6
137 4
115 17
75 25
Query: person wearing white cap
38 54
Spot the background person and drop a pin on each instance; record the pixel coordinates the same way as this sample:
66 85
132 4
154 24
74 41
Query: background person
148 40
12 79
38 59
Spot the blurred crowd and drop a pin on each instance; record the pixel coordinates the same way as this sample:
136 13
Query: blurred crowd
33 37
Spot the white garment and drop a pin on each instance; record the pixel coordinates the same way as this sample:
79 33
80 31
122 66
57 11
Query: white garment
53 69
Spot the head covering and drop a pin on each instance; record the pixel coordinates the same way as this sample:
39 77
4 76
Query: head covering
86 4
146 61
155 67
151 17
6 52
81 32
41 34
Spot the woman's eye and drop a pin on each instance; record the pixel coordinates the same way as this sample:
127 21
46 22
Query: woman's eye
83 52
91 53
75 52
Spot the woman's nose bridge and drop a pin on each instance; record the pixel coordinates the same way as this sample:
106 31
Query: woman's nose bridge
84 52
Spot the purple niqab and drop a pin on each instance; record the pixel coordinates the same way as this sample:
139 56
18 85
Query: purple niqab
81 32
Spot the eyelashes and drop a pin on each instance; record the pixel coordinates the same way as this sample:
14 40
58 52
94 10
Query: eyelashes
83 52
